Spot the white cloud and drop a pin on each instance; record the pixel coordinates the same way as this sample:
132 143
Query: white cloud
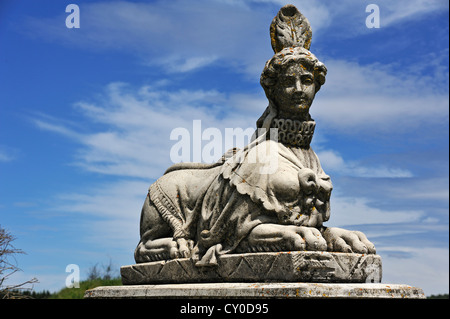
179 64
130 139
181 36
137 122
127 130
184 36
8 154
131 128
348 16
399 11
377 98
5 157
334 162
426 189
108 213
115 200
347 211
423 267
135 143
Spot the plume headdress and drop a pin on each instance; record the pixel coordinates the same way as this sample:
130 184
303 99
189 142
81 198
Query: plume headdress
290 28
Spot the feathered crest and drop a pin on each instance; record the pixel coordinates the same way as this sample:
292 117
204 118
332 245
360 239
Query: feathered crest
290 28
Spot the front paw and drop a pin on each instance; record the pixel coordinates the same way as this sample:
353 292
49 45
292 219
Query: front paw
347 241
182 248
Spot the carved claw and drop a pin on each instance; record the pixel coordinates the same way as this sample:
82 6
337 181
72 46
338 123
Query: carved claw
184 249
347 241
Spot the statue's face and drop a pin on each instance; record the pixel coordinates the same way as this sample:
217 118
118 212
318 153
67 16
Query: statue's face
294 91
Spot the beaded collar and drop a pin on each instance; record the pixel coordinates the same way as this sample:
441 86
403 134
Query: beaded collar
293 132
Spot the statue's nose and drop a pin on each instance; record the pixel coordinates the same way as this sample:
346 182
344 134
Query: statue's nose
299 87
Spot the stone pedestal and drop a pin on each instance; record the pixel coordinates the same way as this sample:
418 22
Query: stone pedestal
287 290
287 275
297 266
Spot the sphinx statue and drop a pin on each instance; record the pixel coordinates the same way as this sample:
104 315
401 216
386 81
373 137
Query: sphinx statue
270 196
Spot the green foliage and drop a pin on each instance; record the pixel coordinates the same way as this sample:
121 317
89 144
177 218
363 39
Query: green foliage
25 294
78 293
444 296
103 275
66 293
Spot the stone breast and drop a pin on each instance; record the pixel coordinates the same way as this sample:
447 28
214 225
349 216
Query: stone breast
285 186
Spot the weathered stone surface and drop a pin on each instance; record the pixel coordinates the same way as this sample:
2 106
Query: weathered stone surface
258 214
298 266
260 290
273 194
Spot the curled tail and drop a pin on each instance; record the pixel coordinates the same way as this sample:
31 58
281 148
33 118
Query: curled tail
179 166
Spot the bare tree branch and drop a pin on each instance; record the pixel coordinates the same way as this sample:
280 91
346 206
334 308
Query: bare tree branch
8 266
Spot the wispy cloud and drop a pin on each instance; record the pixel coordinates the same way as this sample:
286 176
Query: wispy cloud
131 138
8 154
424 189
399 11
187 36
135 141
127 128
433 278
5 157
350 211
334 163
107 213
135 124
179 64
347 17
183 36
378 98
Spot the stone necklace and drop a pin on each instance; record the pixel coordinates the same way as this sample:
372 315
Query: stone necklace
293 132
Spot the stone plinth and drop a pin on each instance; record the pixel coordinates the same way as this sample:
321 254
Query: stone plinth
287 275
288 290
298 266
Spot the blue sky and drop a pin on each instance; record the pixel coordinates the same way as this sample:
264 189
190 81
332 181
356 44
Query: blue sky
86 116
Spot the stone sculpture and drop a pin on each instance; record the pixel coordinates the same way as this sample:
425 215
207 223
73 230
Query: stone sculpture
270 196
252 224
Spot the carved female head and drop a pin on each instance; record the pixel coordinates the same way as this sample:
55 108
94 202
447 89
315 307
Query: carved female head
290 79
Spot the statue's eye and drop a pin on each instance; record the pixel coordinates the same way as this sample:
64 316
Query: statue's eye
307 80
289 80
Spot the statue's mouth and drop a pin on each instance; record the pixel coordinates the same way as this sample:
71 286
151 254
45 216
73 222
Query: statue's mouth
301 104
301 100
